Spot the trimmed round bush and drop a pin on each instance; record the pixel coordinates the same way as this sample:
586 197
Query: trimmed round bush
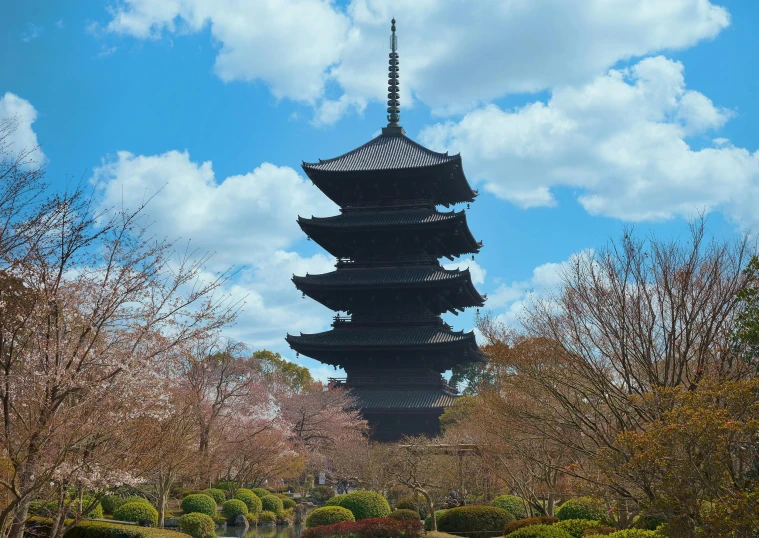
287 502
474 519
540 531
327 515
576 527
581 508
233 508
136 499
511 503
322 493
270 503
409 503
267 517
334 501
634 533
137 512
250 499
110 503
96 512
526 522
197 525
428 519
365 504
402 514
217 495
199 503
260 492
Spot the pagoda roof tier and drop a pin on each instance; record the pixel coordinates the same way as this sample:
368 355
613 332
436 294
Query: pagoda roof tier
346 235
366 173
348 289
402 399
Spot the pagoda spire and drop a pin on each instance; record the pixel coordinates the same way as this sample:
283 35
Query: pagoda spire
393 106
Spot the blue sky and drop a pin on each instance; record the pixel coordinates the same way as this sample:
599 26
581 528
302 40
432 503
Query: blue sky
574 120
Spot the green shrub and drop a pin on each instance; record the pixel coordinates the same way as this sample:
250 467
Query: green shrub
250 499
137 512
474 519
100 529
96 512
233 508
540 531
198 525
383 527
252 518
403 514
600 531
650 522
410 503
227 486
322 494
365 504
270 503
136 499
428 519
267 517
287 502
511 503
334 501
261 492
526 522
217 495
327 515
630 533
582 508
199 503
577 527
110 503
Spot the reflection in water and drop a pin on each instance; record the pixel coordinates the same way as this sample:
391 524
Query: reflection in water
279 531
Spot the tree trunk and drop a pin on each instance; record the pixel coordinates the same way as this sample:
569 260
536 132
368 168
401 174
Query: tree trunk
431 508
550 503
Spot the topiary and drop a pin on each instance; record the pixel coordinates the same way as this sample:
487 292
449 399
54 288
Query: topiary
137 512
529 521
199 503
111 503
582 508
428 519
198 525
136 499
403 514
270 503
266 517
260 492
334 501
217 495
322 493
576 527
327 515
473 520
287 502
250 499
233 508
511 503
540 531
410 503
365 504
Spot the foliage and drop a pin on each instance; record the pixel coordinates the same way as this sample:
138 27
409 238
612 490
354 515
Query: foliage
582 508
415 504
137 512
217 495
472 376
267 517
260 492
540 531
233 508
368 528
100 529
282 373
428 519
287 502
474 519
526 522
600 531
251 500
271 503
576 527
111 503
327 515
322 494
747 325
511 503
199 503
136 499
197 525
227 485
631 533
365 504
404 514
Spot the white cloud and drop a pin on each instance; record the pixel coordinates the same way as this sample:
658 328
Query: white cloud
33 31
23 138
477 271
454 55
621 140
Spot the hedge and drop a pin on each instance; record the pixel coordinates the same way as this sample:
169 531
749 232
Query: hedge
251 500
512 504
540 531
271 503
428 519
405 515
137 512
111 503
582 508
322 493
100 529
198 525
217 495
365 504
261 492
267 517
577 527
136 499
474 520
631 533
327 515
233 508
199 503
529 521
368 528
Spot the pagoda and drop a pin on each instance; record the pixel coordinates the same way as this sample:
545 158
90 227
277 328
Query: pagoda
388 282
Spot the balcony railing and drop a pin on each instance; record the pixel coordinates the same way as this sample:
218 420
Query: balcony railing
390 203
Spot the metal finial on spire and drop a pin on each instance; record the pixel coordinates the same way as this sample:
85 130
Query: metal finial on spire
393 106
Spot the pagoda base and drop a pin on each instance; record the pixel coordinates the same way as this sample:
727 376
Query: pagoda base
391 425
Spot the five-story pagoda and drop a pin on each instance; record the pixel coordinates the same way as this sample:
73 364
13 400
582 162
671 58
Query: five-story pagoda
392 343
